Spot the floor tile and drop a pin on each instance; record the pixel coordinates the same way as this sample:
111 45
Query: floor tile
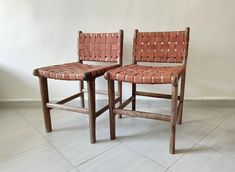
18 140
8 115
42 158
35 115
222 141
63 126
154 143
120 158
203 159
11 120
229 123
212 115
141 144
127 126
77 149
74 170
194 130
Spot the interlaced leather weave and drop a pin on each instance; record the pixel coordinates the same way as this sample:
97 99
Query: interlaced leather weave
164 47
145 74
104 47
159 47
73 71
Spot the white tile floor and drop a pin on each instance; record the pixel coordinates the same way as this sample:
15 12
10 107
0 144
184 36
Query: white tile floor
205 142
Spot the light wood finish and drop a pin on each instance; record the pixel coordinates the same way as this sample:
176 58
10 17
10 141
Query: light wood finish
45 100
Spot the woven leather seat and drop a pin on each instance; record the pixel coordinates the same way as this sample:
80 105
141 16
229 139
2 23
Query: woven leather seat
145 74
73 71
153 47
96 47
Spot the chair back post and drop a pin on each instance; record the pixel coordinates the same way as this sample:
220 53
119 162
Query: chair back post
187 30
121 34
134 43
79 35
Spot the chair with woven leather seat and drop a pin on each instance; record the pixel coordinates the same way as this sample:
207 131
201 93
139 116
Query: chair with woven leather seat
96 47
153 47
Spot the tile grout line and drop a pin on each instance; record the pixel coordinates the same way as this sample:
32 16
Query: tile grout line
156 162
226 116
232 131
98 154
144 154
57 149
228 156
197 143
45 138
26 150
120 143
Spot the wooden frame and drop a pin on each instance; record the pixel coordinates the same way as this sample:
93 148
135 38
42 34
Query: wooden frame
176 103
91 110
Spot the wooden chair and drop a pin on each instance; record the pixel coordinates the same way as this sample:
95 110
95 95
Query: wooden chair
97 47
153 47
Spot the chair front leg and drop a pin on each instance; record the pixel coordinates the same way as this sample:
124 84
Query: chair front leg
134 95
45 100
173 116
92 110
111 107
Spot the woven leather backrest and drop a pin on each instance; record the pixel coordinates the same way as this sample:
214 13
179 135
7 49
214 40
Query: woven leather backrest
102 47
163 47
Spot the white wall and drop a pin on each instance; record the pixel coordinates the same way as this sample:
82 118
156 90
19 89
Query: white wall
35 33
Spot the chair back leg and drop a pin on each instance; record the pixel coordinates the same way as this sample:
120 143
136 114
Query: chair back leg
91 109
82 94
45 100
134 95
181 105
120 95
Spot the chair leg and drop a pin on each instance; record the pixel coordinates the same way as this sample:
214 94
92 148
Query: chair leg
45 100
173 117
133 94
91 109
182 87
120 95
111 106
82 96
